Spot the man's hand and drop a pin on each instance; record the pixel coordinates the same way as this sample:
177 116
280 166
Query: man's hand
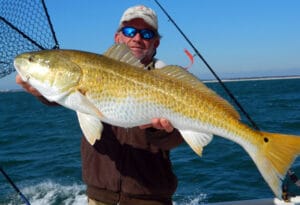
160 124
26 86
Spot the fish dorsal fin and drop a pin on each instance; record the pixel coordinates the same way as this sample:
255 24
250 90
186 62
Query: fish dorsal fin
178 73
121 52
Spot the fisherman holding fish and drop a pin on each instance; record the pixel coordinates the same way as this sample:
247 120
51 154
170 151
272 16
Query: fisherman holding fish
115 94
130 166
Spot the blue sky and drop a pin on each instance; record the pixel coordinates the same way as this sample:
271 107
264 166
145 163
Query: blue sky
238 38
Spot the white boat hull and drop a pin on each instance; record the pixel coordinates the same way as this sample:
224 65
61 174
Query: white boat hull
274 201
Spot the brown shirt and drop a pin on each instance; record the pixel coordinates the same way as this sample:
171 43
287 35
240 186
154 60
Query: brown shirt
129 162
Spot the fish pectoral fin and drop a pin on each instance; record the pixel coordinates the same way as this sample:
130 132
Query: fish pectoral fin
196 140
79 102
91 127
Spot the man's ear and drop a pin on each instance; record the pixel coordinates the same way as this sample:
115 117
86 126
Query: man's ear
156 43
117 37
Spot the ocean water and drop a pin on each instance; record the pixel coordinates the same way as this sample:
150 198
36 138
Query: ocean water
40 149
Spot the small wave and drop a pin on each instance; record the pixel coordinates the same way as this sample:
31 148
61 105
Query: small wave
51 193
192 200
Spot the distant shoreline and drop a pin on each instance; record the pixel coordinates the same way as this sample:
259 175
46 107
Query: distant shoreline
254 78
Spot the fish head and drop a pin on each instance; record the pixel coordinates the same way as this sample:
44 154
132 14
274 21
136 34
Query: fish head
51 72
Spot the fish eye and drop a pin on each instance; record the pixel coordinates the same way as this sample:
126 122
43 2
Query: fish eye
31 58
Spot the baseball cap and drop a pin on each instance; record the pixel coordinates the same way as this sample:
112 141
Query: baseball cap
142 12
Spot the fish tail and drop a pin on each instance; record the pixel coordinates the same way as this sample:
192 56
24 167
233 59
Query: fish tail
275 156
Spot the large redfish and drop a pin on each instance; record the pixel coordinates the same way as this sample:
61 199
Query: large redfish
116 89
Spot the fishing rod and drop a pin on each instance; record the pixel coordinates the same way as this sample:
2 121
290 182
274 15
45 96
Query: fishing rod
14 186
209 67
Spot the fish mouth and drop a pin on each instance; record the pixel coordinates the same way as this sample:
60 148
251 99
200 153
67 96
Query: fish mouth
20 66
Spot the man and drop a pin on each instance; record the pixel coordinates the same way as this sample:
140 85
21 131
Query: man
131 166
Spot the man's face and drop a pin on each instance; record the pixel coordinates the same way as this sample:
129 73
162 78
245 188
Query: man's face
142 49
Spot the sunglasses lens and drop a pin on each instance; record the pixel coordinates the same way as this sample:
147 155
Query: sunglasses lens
131 32
147 34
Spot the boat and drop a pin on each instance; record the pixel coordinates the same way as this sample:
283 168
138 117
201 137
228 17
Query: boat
267 201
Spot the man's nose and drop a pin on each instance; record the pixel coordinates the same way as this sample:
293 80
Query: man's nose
137 37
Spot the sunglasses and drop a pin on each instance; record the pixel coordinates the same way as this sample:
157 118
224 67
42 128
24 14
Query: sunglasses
130 32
